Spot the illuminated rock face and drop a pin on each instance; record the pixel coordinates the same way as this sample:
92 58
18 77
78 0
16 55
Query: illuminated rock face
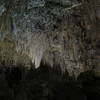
38 33
56 33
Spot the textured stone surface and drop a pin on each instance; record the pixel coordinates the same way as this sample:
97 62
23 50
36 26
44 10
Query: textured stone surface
56 32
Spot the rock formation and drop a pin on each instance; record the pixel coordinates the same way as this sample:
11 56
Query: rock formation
62 33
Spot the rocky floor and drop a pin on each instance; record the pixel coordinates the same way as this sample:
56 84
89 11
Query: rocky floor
47 84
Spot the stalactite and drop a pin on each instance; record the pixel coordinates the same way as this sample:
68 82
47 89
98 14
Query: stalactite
55 32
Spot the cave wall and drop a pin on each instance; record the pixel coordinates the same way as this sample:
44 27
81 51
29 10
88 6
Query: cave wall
61 33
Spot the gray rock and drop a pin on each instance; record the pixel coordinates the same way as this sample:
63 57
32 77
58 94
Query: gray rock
35 3
2 9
